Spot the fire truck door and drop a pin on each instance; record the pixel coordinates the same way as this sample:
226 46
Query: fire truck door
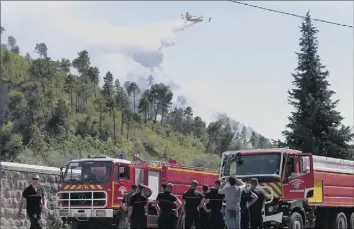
121 184
298 177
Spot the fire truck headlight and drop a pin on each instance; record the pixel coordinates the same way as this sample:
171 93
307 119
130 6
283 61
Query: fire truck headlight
273 208
63 212
101 213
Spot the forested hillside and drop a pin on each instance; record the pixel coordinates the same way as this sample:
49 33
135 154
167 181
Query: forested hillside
49 115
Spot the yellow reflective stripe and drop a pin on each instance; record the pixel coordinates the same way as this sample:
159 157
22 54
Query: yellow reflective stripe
66 187
92 186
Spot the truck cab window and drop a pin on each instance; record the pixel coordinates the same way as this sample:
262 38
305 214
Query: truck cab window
290 167
121 172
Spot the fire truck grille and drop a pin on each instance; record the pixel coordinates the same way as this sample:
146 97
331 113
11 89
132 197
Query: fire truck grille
84 199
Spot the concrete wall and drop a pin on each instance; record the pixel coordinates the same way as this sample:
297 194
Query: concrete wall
14 179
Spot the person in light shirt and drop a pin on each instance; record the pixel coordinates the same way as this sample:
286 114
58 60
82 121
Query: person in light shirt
232 189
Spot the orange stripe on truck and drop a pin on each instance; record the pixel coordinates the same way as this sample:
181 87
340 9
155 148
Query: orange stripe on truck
193 171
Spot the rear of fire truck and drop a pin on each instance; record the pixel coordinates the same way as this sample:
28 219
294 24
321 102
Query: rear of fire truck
85 199
280 174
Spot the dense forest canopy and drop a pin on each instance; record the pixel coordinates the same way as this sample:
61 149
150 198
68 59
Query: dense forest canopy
48 115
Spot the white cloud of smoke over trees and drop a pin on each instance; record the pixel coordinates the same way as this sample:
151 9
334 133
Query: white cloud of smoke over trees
66 31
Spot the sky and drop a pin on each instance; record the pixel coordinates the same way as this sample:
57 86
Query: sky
240 63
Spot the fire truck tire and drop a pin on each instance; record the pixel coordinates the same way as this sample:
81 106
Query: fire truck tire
340 221
351 221
296 221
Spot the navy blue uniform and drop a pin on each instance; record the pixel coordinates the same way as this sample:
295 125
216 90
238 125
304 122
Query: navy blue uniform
138 217
216 220
34 205
167 217
256 209
193 199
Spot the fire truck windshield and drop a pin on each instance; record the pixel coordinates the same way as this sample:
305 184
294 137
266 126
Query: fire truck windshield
88 171
253 165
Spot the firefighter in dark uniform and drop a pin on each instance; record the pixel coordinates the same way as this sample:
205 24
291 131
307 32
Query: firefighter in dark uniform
35 198
125 203
126 198
204 215
167 206
245 215
212 202
256 209
190 206
136 210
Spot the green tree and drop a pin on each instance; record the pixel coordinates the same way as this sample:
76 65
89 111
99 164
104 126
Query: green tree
17 104
108 91
188 114
94 76
161 96
133 89
82 62
42 50
64 65
199 127
315 125
69 87
213 130
143 106
254 140
11 42
60 118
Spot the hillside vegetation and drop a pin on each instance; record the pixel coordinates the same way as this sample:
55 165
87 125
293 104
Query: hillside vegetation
53 115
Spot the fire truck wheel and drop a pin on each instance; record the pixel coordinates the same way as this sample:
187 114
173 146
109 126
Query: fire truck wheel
340 221
351 221
296 221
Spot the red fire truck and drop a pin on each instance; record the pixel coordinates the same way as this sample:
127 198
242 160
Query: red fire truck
93 188
303 191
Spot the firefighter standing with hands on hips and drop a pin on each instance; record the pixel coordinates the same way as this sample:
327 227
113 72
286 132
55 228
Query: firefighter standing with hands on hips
137 210
165 204
212 203
190 206
204 215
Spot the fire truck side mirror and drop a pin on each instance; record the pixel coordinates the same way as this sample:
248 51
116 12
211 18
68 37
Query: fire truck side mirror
61 174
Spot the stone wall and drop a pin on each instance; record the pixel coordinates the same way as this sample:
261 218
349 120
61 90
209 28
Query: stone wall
14 179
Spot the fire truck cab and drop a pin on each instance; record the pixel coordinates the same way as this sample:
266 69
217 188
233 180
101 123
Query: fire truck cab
286 176
92 191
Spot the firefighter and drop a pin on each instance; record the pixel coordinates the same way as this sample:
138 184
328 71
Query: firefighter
35 198
245 215
212 203
190 206
126 198
204 215
137 210
167 206
258 206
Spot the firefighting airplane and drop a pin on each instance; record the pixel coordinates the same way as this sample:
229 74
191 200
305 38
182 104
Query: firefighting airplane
191 18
